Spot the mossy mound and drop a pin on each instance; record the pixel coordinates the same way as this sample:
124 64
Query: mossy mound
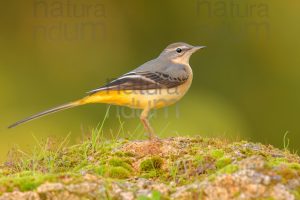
174 168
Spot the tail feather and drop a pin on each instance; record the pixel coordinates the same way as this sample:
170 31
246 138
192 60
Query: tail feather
47 112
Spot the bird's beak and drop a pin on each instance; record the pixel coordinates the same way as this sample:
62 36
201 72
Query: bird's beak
196 48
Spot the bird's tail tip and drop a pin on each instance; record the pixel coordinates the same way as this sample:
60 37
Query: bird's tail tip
47 112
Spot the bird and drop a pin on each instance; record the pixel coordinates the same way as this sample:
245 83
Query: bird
155 84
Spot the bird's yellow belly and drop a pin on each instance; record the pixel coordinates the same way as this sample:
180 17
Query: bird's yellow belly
140 99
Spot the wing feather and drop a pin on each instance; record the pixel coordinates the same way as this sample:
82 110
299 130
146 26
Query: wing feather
142 81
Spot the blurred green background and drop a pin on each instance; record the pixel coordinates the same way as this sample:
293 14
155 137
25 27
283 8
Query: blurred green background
246 83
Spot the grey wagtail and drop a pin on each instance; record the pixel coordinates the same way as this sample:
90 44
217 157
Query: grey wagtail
157 83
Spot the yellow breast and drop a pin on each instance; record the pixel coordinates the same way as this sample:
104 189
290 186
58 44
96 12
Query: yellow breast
140 99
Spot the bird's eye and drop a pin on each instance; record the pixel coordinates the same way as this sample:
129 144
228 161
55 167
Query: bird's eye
178 50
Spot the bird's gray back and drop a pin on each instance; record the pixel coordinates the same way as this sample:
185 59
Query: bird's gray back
165 67
154 74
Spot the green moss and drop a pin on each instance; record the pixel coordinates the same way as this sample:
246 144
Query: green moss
150 174
217 153
284 168
198 159
118 162
229 169
296 194
246 151
84 167
151 164
286 173
155 195
295 166
274 162
151 167
117 168
119 154
101 170
118 172
222 162
124 154
25 181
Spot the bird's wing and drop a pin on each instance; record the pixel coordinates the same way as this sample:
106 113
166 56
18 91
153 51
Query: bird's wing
154 74
143 80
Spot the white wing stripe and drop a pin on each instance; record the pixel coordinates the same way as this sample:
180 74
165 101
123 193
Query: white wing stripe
137 76
130 75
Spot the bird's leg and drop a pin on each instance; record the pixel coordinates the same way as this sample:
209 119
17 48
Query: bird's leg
147 126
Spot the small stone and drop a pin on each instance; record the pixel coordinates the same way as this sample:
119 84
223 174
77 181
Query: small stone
82 188
50 187
162 188
91 158
255 190
126 195
216 193
253 162
20 195
172 184
280 192
266 180
143 183
116 188
144 192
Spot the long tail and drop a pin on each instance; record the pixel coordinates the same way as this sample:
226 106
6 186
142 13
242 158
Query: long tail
47 112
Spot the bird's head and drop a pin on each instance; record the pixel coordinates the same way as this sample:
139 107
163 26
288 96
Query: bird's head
179 52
